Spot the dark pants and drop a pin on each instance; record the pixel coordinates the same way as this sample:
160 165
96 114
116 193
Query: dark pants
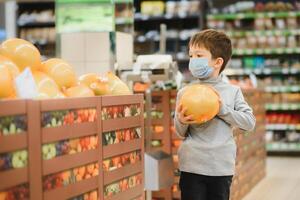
200 187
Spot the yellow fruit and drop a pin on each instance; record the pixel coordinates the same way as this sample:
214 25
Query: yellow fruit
116 86
61 72
47 88
22 53
79 91
94 82
201 101
12 67
6 83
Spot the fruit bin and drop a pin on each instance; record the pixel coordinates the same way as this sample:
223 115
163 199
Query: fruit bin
67 150
15 144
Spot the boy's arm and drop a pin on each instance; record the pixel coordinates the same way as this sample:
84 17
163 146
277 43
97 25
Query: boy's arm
241 116
180 128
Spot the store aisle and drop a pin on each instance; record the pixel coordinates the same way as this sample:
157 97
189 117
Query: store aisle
282 181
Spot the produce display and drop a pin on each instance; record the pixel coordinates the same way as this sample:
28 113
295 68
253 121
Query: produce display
54 78
10 125
13 160
67 117
70 176
93 195
119 136
71 146
157 114
20 192
114 112
122 185
198 105
121 161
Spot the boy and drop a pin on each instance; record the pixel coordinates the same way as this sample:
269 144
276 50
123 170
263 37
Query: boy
208 152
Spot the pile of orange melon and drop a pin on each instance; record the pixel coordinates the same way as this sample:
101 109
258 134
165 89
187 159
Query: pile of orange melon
54 78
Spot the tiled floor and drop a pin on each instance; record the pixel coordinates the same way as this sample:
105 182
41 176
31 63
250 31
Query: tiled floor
282 181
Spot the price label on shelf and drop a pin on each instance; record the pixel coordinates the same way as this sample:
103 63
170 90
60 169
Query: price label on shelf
294 106
289 50
259 51
285 70
257 71
267 71
294 88
271 14
268 51
294 71
279 51
240 16
292 14
260 15
285 106
249 51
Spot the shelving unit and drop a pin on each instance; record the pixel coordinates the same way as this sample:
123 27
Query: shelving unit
182 19
36 23
266 46
68 155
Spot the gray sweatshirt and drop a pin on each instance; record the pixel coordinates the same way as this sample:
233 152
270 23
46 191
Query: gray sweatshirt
210 149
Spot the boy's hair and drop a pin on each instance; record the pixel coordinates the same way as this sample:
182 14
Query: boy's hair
218 43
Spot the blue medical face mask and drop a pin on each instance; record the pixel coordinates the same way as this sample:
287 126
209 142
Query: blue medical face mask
199 68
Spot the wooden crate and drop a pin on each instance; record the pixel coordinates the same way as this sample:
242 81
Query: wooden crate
43 135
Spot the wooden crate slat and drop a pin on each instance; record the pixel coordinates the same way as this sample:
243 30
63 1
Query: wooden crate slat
68 132
19 142
72 190
12 107
121 123
68 104
62 163
157 136
177 194
121 148
126 171
126 100
128 194
13 177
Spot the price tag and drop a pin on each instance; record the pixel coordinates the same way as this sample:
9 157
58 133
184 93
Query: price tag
285 70
267 71
268 51
25 85
294 70
289 50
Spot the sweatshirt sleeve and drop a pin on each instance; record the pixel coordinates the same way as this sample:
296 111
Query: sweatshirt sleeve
180 128
241 116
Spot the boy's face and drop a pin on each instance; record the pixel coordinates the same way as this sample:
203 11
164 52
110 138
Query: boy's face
201 52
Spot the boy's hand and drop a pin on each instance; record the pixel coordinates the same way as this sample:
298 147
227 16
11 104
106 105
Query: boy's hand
180 110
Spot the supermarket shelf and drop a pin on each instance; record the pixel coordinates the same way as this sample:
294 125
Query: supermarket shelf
281 89
141 18
283 106
283 127
283 147
263 33
265 71
124 20
263 51
253 15
123 1
37 25
20 176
